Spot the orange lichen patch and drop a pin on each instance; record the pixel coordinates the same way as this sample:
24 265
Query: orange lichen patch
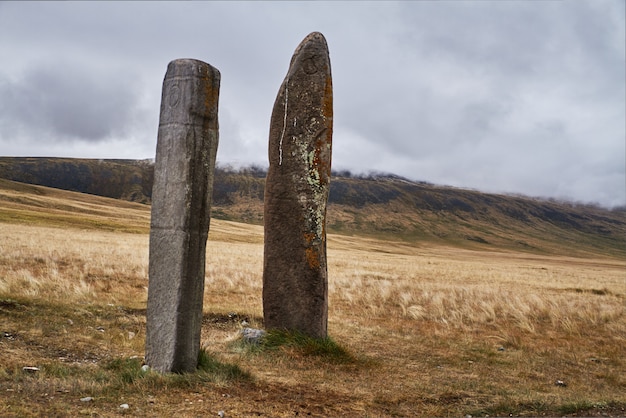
313 257
327 109
211 82
309 237
312 252
319 163
327 113
323 141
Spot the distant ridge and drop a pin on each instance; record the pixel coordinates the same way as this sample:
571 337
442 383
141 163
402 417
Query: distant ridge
120 179
380 205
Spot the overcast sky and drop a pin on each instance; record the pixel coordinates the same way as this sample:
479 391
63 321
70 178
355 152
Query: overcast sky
520 97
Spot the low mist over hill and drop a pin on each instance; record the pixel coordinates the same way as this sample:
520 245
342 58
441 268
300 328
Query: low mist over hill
384 206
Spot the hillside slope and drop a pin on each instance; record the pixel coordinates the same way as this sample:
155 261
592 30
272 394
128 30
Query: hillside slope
383 206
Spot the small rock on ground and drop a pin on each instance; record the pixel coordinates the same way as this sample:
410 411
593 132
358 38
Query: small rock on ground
252 335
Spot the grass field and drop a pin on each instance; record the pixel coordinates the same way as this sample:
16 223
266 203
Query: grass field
428 330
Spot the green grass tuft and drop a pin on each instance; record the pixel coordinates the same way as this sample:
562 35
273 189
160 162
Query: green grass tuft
127 370
581 406
213 370
325 348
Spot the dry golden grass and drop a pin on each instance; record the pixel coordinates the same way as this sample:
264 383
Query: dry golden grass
436 331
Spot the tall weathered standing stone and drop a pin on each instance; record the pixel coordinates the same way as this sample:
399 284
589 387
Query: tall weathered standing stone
181 205
295 278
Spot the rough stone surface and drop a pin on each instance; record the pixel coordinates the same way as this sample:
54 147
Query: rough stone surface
181 204
295 278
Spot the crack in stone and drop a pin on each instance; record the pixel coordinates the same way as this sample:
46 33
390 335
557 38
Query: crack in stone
280 144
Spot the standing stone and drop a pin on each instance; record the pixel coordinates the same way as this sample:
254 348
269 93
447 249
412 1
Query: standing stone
295 277
181 205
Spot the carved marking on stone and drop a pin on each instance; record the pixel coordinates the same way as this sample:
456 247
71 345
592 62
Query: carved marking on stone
309 66
174 96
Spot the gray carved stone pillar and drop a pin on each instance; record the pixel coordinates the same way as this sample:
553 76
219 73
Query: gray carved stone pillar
181 205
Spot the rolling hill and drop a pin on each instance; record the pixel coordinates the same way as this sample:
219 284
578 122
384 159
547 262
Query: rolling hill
383 206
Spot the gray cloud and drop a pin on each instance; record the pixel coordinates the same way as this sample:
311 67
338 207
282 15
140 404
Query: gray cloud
67 103
517 96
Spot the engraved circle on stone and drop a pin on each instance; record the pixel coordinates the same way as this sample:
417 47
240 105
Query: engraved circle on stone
173 96
309 66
